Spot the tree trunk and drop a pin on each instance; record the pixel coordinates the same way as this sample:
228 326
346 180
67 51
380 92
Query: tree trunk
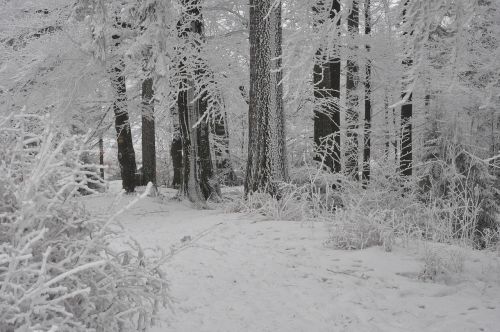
221 150
101 157
208 181
266 164
405 161
126 153
387 125
368 104
431 133
198 182
176 149
395 141
326 77
190 184
148 133
352 113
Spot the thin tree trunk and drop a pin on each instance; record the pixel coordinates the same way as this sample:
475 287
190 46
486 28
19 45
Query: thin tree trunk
387 125
368 105
352 113
148 133
101 156
176 149
126 153
244 122
395 141
406 138
431 131
266 164
326 77
405 161
221 150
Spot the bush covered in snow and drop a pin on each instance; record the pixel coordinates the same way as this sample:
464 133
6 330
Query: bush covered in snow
58 269
461 187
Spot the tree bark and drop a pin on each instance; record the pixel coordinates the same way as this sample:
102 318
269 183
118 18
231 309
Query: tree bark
126 153
266 164
148 133
326 79
368 105
190 184
352 113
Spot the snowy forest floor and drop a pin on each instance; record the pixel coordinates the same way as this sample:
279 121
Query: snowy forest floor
240 273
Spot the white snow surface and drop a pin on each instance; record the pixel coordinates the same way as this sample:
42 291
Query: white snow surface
242 273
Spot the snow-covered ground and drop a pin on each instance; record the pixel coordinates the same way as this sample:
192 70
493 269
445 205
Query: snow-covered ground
239 273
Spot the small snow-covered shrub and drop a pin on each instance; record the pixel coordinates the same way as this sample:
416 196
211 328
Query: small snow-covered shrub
288 206
353 229
461 189
442 263
58 268
491 239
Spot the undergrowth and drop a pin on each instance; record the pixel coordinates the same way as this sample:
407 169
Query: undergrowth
58 267
391 208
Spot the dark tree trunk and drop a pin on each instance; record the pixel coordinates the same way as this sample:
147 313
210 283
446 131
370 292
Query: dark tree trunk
244 122
176 149
352 113
208 182
326 78
368 104
387 125
190 183
198 181
405 161
148 133
395 142
101 157
126 153
221 150
431 132
266 164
